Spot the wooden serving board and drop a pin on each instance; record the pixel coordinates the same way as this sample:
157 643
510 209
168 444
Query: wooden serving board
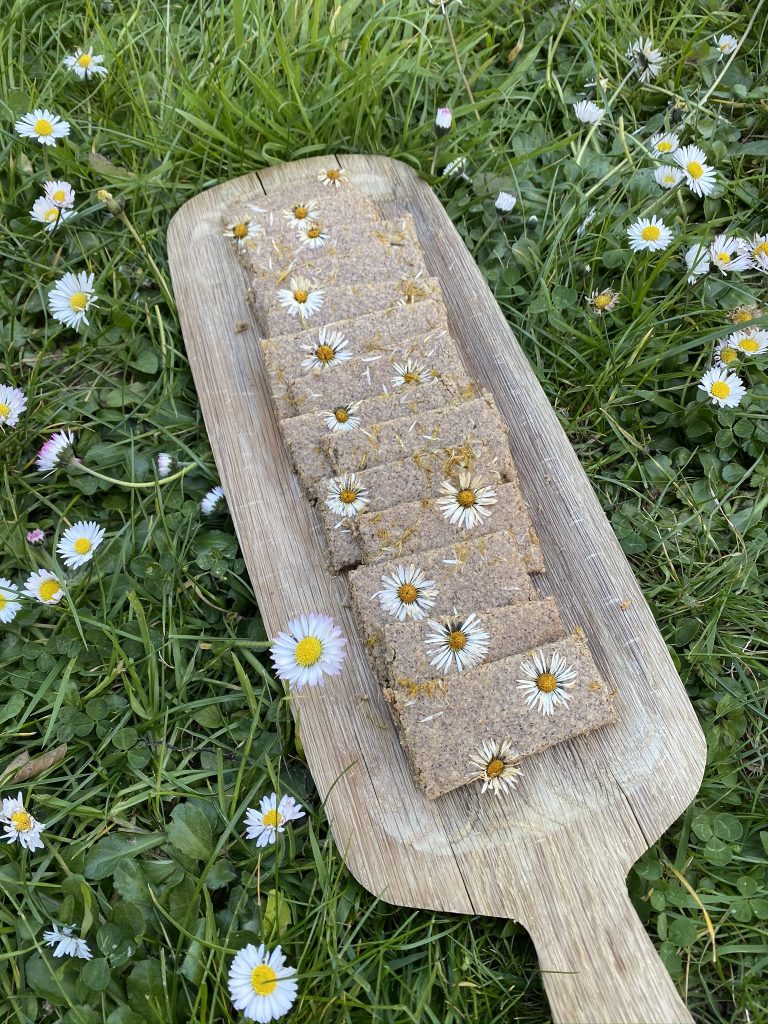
553 855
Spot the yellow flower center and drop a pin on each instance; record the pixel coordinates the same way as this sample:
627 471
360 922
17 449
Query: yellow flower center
300 296
4 409
669 178
695 169
308 651
21 821
272 818
78 301
347 496
741 316
748 345
59 196
407 593
664 146
651 233
723 257
84 60
324 353
494 768
720 389
52 214
263 980
466 498
3 602
314 231
300 212
48 590
43 126
457 640
546 682
761 249
728 354
333 175
341 414
240 230
411 377
603 300
82 545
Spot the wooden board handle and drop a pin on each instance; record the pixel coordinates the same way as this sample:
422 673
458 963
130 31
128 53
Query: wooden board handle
599 965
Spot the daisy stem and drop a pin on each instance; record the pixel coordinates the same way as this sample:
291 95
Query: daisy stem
155 269
585 143
131 483
457 58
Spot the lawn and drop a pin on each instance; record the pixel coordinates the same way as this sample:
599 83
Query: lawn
154 668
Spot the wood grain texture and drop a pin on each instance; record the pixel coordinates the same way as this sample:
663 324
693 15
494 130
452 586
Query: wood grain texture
555 854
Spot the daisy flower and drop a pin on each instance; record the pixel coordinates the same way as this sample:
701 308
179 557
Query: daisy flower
57 451
699 176
664 143
505 202
411 372
9 605
724 388
78 543
301 213
458 645
19 825
59 193
334 176
45 212
726 45
342 418
329 350
467 502
588 112
745 314
263 825
725 353
43 126
668 176
242 231
547 682
71 297
757 250
645 58
43 586
346 495
312 235
85 63
407 593
260 985
698 261
213 501
604 301
13 402
496 766
443 120
455 168
311 647
728 254
749 343
66 943
302 298
651 234
35 536
164 463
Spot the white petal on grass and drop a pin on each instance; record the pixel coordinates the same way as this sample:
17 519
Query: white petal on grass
645 59
66 943
726 44
59 193
505 202
45 212
664 143
749 342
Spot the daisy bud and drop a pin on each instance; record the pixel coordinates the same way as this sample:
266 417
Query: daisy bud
443 121
114 206
57 451
36 536
505 202
165 464
213 501
532 223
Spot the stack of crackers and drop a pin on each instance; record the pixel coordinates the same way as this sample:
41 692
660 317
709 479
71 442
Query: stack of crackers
407 462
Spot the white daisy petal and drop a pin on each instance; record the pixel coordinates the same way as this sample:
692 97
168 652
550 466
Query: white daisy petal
10 606
604 301
749 342
546 682
59 193
407 593
45 212
242 232
505 202
645 58
301 213
78 543
667 176
213 501
57 451
458 644
311 647
726 44
66 943
588 112
664 143
757 250
13 402
312 235
698 261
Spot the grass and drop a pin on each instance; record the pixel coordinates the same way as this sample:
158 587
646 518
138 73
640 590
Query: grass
153 671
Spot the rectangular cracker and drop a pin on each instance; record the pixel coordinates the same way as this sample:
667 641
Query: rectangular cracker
488 572
511 628
441 732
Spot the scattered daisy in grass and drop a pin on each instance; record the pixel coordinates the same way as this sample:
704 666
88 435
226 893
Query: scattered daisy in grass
443 120
505 202
78 543
588 112
10 606
467 502
19 825
302 212
57 451
66 943
757 250
164 463
43 126
727 253
698 261
496 765
45 212
312 235
71 297
260 985
649 233
346 495
242 232
302 298
586 222
213 501
547 682
412 372
36 536
749 343
457 644
311 648
407 593
668 176
725 353
664 143
59 193
342 418
13 402
455 168
43 586
724 388
726 44
645 58
745 314
604 301
263 825
85 63
699 176
334 176
329 350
